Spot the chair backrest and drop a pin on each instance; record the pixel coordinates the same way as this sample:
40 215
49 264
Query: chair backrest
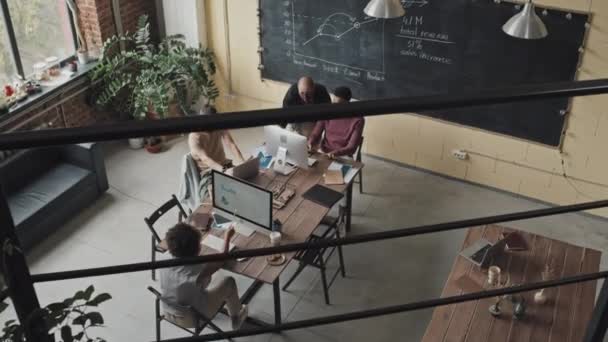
190 317
358 153
162 210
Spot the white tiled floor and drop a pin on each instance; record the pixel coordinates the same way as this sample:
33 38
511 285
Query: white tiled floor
112 232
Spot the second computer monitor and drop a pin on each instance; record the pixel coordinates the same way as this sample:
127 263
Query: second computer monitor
296 145
245 200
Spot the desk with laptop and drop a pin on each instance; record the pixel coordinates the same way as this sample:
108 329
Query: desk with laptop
244 196
520 258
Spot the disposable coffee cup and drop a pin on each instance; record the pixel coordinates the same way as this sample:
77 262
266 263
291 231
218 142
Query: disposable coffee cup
275 239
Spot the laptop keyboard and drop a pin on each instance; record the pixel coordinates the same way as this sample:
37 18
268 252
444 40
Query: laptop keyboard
478 256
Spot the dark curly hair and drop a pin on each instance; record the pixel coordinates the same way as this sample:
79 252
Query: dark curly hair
183 240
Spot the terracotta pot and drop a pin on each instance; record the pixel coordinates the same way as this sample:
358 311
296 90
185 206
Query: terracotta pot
154 148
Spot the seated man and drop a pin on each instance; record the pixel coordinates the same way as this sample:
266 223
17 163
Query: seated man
207 150
305 92
188 285
342 136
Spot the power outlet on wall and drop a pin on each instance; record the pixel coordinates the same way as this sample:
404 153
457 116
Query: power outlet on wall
460 154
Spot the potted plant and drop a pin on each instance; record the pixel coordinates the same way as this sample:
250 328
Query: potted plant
150 81
68 320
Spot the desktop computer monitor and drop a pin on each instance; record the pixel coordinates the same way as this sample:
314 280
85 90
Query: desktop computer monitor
249 202
296 145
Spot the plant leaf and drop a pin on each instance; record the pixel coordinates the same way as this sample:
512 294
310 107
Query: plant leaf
95 317
99 299
66 334
79 336
3 306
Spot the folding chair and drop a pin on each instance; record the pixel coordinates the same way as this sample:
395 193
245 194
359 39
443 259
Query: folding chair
318 258
155 216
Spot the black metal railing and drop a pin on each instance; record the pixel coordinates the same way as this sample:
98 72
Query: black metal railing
25 299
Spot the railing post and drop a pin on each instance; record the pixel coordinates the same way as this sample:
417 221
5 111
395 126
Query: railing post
596 329
17 278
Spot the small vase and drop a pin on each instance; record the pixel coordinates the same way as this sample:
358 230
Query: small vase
136 143
540 297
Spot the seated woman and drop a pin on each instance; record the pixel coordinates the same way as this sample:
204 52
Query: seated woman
207 150
338 137
189 285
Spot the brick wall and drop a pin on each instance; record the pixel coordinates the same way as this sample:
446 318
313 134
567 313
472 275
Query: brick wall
97 23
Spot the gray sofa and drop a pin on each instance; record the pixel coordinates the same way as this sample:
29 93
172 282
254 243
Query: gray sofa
47 186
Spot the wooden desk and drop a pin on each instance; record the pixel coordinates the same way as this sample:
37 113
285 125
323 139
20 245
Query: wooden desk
563 318
300 218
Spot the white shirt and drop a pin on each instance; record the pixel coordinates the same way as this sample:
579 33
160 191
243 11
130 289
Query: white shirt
181 285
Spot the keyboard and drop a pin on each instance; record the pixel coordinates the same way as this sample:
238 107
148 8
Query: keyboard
216 243
480 254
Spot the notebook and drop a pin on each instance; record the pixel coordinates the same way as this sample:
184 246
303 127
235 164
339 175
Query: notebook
334 177
322 195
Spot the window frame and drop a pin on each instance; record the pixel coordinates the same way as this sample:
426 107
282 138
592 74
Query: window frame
13 44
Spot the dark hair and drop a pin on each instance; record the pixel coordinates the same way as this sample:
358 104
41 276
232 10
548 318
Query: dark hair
183 240
343 93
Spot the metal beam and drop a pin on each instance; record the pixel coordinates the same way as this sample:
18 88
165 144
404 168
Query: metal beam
10 36
350 240
389 310
134 129
18 279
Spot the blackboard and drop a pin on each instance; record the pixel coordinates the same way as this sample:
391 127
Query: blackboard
438 47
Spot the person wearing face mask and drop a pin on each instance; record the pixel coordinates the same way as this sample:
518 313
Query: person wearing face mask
305 92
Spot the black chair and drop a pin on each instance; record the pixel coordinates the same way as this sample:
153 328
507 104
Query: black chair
318 257
191 321
151 220
358 159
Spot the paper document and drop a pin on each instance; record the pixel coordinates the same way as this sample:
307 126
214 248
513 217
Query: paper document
216 243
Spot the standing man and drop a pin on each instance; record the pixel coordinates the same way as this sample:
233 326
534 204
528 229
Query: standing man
305 92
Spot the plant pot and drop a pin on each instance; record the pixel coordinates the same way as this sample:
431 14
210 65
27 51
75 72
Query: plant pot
136 143
83 57
154 145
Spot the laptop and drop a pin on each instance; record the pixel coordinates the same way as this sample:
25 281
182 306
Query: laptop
247 170
482 252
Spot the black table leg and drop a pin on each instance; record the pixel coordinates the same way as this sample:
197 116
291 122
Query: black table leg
349 205
276 289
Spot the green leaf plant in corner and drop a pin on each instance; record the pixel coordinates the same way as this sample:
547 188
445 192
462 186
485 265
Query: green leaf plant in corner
69 320
142 79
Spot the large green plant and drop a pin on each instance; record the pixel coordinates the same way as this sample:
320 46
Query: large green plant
146 78
69 320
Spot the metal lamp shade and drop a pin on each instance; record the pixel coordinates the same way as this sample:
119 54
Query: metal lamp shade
385 9
526 24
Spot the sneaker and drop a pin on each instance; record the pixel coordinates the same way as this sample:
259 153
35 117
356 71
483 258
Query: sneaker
238 321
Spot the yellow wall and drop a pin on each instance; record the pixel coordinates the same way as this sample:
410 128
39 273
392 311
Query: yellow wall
498 161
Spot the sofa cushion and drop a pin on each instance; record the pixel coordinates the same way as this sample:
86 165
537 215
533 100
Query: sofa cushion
44 189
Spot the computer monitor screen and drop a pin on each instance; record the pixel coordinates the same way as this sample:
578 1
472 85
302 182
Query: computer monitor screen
244 199
296 145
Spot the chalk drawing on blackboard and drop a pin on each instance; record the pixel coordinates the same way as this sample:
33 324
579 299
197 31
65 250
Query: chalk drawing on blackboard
340 42
414 3
336 31
413 30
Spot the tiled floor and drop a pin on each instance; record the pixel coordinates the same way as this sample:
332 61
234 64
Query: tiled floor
112 232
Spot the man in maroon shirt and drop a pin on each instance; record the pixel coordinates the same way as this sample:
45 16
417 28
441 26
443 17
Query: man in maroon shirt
342 136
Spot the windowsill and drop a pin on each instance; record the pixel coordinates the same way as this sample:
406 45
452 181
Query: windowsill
48 93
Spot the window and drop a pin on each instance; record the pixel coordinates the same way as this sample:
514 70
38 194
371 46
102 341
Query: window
40 28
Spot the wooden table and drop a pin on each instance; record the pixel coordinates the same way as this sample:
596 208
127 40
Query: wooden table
563 318
300 218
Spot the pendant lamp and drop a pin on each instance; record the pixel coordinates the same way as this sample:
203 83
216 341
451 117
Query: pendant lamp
385 9
526 24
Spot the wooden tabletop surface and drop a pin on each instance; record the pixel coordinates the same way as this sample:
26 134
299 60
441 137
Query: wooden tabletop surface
299 217
563 318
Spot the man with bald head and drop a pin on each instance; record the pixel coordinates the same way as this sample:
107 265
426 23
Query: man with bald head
305 92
